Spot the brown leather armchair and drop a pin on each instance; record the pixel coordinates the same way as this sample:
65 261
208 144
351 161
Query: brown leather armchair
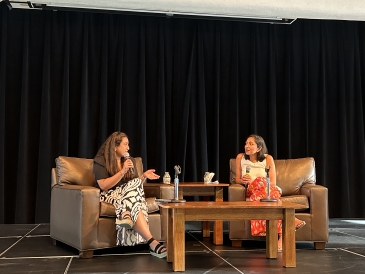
79 219
297 179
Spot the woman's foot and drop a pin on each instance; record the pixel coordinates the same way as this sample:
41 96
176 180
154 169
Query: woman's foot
280 243
156 249
299 224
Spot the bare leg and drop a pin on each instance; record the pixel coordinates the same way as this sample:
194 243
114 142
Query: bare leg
142 228
280 243
297 224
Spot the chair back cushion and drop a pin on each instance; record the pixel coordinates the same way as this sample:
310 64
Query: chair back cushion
75 171
139 165
232 171
79 171
291 174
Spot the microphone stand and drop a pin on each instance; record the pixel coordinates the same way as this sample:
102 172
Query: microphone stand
176 182
268 198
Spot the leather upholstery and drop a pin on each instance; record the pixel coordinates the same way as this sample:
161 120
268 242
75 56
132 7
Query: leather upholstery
77 216
297 179
75 171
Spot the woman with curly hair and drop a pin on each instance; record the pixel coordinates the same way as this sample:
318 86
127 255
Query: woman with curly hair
120 185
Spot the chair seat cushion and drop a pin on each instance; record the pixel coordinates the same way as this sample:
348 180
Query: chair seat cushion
108 210
297 199
152 205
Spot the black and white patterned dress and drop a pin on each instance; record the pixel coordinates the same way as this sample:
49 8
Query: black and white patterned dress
126 196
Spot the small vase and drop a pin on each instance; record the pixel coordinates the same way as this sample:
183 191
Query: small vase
166 178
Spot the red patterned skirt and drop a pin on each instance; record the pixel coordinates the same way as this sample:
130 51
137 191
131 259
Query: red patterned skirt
255 191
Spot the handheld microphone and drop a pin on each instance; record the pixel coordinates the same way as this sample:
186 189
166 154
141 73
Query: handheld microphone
126 157
248 168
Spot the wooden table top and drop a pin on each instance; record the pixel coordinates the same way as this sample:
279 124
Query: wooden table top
187 184
198 184
235 204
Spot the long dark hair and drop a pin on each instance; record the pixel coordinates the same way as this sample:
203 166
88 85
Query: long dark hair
107 150
260 143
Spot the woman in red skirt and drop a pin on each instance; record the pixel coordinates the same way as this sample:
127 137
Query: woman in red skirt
250 171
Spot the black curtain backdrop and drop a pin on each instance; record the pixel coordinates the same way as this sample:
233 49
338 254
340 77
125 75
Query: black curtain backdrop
186 92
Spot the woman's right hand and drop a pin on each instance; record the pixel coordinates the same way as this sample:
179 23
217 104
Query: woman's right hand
246 179
127 165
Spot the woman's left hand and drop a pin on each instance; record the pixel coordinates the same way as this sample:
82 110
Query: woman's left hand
150 174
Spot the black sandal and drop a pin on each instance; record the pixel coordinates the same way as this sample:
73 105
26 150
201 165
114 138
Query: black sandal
158 249
126 221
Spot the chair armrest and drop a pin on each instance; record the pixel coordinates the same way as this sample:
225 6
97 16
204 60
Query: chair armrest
318 205
236 192
159 191
317 195
74 215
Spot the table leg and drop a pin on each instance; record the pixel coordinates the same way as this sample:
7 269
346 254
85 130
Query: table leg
178 263
206 224
218 225
170 236
289 252
271 239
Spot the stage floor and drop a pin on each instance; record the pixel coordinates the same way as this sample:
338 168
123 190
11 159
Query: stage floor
27 248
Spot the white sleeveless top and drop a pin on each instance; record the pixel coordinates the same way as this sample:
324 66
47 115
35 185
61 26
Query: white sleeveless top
256 169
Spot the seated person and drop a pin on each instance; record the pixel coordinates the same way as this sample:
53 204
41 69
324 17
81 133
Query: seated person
250 171
120 185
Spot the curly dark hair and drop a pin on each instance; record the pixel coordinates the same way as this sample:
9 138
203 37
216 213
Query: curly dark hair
107 150
260 143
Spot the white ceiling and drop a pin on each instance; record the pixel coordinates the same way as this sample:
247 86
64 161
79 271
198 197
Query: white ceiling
311 9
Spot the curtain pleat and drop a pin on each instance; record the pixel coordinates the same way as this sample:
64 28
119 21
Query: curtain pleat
3 62
62 134
186 92
22 186
119 84
45 139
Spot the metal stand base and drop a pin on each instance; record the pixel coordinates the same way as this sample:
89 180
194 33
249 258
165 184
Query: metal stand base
178 201
268 200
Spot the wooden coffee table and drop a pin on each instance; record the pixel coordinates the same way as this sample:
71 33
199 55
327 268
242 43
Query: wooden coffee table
206 190
204 211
